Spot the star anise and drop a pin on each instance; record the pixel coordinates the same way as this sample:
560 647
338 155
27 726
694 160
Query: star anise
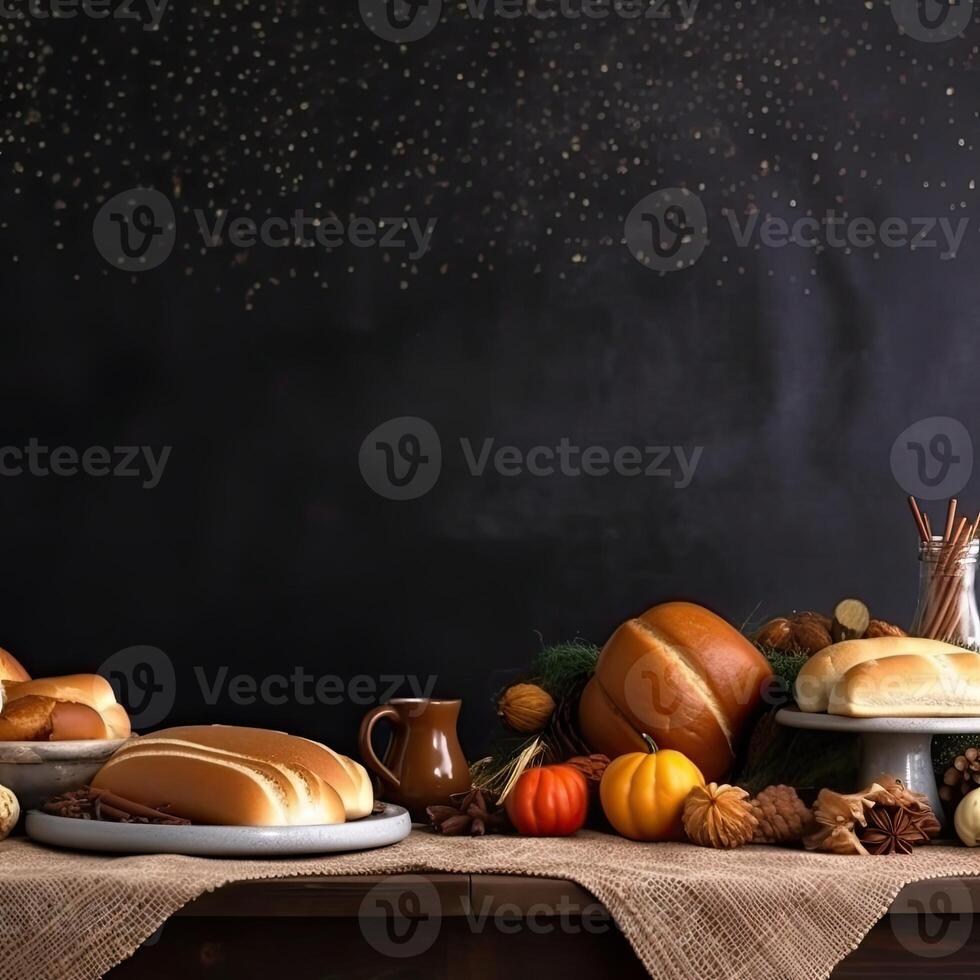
916 805
475 815
890 830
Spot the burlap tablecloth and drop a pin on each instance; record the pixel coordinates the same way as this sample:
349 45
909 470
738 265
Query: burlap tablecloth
689 912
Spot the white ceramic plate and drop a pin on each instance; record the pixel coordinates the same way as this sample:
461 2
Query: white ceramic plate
820 721
377 830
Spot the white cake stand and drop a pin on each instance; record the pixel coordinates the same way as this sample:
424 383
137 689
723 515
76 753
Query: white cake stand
899 746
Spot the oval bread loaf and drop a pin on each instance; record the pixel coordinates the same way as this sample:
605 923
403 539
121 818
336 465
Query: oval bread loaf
910 686
222 774
821 672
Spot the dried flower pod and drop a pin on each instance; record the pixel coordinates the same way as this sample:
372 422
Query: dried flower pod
836 815
878 627
890 830
718 816
526 707
590 766
894 792
961 777
782 816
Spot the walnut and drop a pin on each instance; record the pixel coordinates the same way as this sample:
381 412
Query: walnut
526 707
807 632
777 633
9 812
825 621
878 627
718 816
811 636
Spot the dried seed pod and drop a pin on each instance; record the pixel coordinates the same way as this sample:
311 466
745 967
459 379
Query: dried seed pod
718 816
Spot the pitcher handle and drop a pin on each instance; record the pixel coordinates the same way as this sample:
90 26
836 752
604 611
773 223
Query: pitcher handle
367 749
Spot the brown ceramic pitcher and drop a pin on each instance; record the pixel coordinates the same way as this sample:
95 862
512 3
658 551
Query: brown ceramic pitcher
424 764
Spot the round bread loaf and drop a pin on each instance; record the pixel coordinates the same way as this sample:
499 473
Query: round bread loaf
682 675
222 774
35 718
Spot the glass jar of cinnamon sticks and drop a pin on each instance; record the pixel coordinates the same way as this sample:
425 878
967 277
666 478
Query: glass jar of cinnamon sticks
947 606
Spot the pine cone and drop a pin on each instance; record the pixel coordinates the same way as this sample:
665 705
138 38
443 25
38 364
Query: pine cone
718 816
782 816
961 777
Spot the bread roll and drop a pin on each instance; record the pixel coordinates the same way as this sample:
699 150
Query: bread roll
220 774
90 689
822 671
10 668
910 686
680 674
40 719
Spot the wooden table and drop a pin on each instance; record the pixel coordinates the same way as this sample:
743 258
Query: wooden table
487 926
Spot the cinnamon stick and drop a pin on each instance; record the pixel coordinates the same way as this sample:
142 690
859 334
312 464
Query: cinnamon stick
919 522
946 580
950 517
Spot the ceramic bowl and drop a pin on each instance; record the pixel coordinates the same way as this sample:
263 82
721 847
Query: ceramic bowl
36 771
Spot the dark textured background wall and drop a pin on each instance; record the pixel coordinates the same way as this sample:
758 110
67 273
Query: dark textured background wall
263 548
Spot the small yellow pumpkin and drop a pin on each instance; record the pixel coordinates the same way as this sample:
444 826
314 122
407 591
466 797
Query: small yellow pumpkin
643 793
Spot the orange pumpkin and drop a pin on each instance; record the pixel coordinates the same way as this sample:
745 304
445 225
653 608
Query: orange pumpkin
549 801
643 793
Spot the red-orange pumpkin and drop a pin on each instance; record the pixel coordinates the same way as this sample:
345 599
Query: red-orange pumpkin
549 801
